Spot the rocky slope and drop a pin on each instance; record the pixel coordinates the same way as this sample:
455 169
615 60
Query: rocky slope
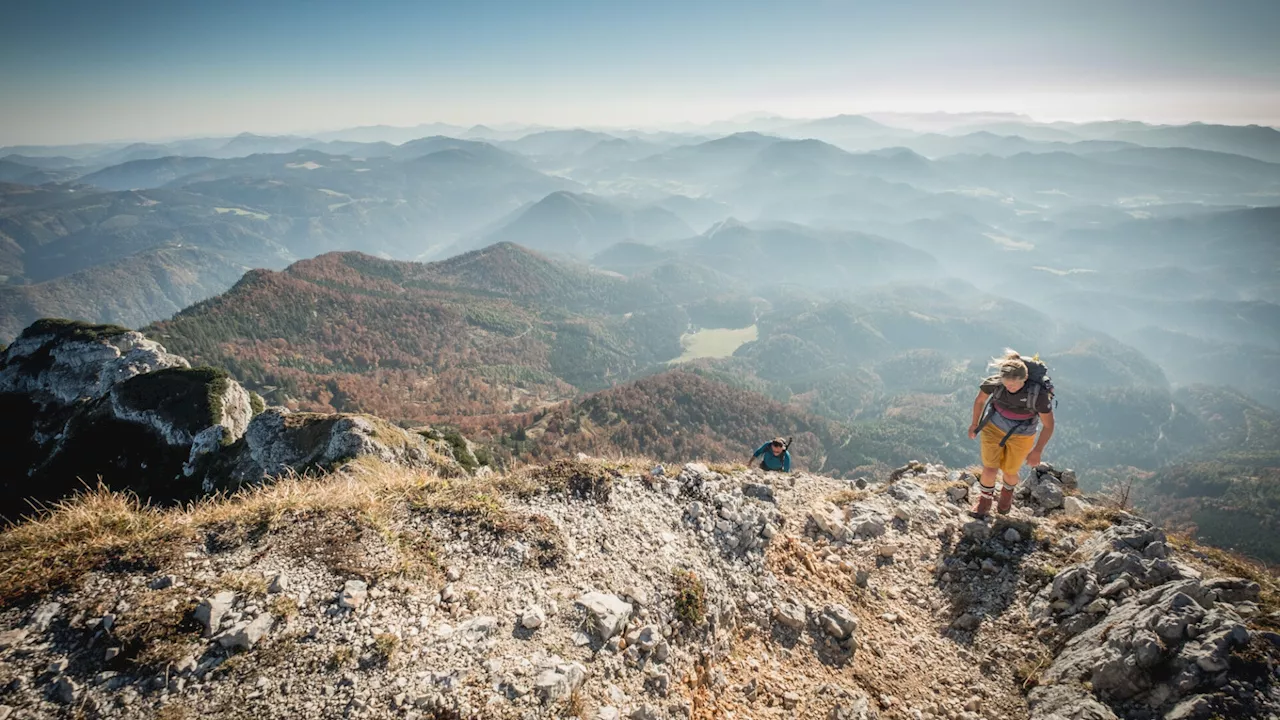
595 589
364 570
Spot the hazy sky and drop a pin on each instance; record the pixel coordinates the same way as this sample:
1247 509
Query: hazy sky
83 70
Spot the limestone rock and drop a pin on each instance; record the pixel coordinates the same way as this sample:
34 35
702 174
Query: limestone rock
838 622
62 362
279 441
791 615
353 594
210 611
559 681
247 634
532 618
1073 506
608 613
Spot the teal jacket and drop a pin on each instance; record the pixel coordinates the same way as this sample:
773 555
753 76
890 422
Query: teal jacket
774 462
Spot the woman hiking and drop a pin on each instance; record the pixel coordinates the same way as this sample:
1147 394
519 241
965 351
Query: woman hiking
1021 398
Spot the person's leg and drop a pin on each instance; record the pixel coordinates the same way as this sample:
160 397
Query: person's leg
992 461
1016 450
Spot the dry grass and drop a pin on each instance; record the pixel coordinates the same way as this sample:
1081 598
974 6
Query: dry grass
341 657
1094 519
92 530
575 706
385 646
159 630
244 583
283 607
937 488
175 711
578 479
841 498
726 468
101 530
1027 674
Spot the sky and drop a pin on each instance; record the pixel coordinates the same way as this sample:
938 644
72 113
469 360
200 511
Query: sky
89 71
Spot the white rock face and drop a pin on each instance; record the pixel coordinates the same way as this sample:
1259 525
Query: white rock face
79 369
231 422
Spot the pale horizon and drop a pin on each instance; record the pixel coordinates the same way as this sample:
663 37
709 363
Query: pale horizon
136 71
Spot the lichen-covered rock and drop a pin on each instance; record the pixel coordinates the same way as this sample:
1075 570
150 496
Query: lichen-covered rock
63 361
278 441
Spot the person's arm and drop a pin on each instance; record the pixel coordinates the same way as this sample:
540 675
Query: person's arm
1046 432
786 461
757 453
978 403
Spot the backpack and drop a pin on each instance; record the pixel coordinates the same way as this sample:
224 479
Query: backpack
1038 381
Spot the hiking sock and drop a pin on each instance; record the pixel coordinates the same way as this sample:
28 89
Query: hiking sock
985 498
1006 500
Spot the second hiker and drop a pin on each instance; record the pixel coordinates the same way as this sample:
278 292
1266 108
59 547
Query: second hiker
777 458
1021 398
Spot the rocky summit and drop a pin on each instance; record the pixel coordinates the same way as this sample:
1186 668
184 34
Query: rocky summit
592 588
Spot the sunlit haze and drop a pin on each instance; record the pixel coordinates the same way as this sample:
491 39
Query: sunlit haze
77 71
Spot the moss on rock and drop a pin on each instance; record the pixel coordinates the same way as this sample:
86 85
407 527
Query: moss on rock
190 399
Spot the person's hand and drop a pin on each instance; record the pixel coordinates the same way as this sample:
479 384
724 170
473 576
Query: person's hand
1033 458
973 431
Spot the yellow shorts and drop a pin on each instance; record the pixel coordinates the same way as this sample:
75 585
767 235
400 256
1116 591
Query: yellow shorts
1008 458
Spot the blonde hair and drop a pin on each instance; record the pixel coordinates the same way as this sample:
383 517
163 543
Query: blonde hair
1009 367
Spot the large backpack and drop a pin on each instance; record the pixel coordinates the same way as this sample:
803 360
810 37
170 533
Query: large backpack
1038 381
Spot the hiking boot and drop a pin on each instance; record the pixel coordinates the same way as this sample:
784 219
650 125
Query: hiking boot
983 508
1006 500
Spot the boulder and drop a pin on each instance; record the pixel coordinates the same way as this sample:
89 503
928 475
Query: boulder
608 613
353 594
532 618
1234 590
559 680
867 524
62 362
210 611
838 622
247 634
1048 494
829 519
1073 506
1171 640
791 615
278 441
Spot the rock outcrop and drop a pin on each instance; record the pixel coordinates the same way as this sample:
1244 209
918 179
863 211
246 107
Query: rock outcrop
1144 631
82 402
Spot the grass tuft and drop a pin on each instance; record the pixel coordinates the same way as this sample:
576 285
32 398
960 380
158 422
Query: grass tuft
691 598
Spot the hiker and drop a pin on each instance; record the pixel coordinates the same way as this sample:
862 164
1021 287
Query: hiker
776 456
1021 397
